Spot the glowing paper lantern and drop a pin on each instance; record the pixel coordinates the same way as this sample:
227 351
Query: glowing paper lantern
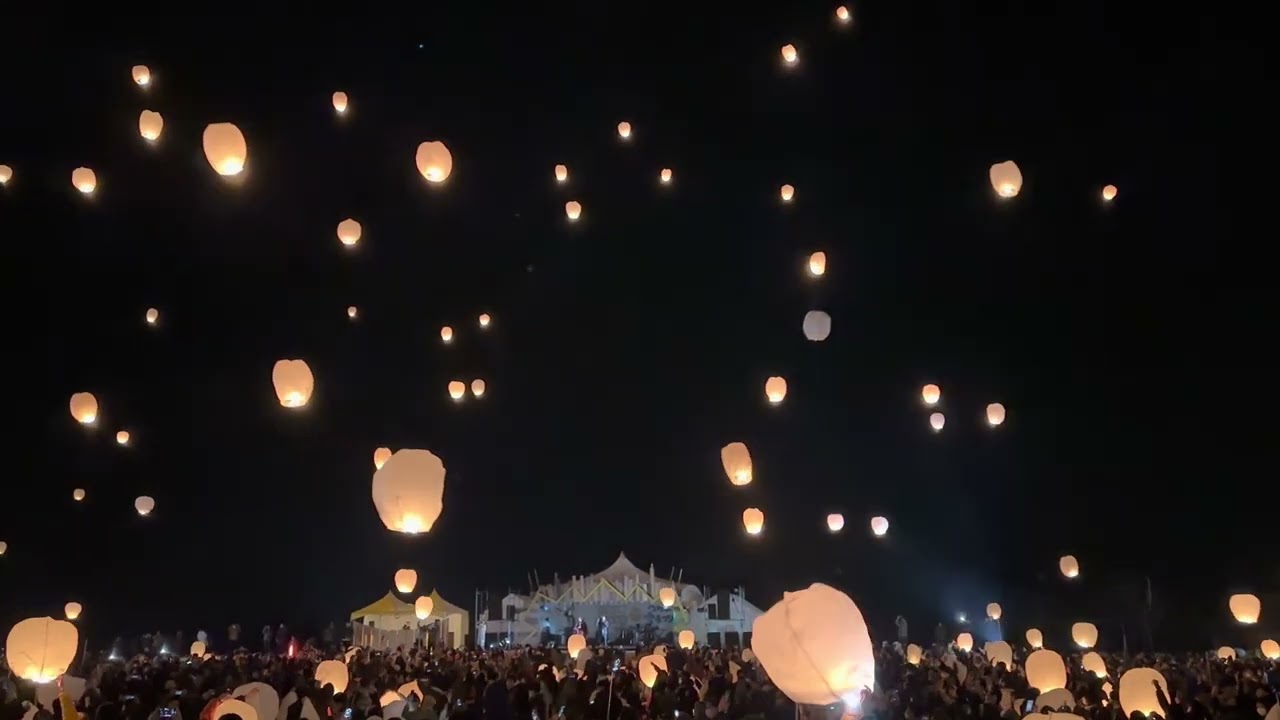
787 192
6 174
964 641
3 547
818 264
264 699
340 102
477 387
406 580
1035 638
835 522
72 609
817 325
815 647
931 394
649 666
225 148
775 388
150 124
624 130
914 654
84 180
78 494
41 649
842 14
1069 566
332 672
446 334
667 596
685 639
1109 193
352 311
422 607
380 457
937 421
434 161
999 651
122 437
198 649
294 382
485 320
1245 608
879 526
577 643
1006 178
1270 649
408 491
144 505
753 520
737 463
1094 663
994 611
1138 691
389 697
665 175
789 55
995 414
84 408
349 232
1226 653
142 75
562 173
152 316
573 209
1084 634
1046 671
457 389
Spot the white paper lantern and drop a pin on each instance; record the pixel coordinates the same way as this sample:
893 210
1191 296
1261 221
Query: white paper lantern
72 610
914 654
648 668
142 75
931 394
787 192
667 596
380 457
225 148
937 421
1270 649
434 161
964 641
789 55
294 382
624 130
1006 178
573 209
41 649
144 505
150 125
1084 634
6 174
84 408
994 611
562 173
817 325
349 232
1245 608
408 491
1046 671
577 643
340 102
999 651
753 520
422 607
84 180
736 460
1138 691
332 672
835 522
775 389
1035 638
1093 662
686 639
406 580
879 526
1069 566
264 699
995 414
198 649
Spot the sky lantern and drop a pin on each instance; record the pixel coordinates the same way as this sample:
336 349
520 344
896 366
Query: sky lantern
225 148
352 311
1245 608
964 641
340 102
1069 566
332 672
1138 691
1046 671
408 491
999 651
1109 193
573 209
142 75
123 437
624 129
879 526
198 649
835 522
1006 178
84 408
842 14
937 421
914 653
477 387
434 161
737 463
144 505
1270 649
84 180
667 596
775 388
1035 638
380 457
665 175
446 334
78 494
648 668
818 264
72 610
457 389
815 647
152 316
562 173
753 520
817 325
150 124
294 382
41 649
6 174
576 644
787 192
931 394
1084 634
484 320
685 639
995 414
349 232
789 55
1094 663
422 607
406 580
994 611
3 547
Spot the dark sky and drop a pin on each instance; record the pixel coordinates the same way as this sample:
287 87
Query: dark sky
1128 341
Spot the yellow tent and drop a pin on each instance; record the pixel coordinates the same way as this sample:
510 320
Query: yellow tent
390 613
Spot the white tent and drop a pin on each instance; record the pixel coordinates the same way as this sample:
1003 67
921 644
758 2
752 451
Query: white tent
381 623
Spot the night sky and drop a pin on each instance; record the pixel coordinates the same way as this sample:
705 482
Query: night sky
1127 340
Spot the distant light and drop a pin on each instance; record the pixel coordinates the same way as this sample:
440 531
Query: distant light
789 55
842 14
665 176
624 129
352 312
962 618
485 320
1109 193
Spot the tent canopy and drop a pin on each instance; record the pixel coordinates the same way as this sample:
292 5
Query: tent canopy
388 604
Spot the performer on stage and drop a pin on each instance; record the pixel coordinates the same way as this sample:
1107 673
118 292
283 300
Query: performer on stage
602 629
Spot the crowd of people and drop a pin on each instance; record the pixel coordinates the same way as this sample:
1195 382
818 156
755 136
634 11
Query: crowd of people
544 684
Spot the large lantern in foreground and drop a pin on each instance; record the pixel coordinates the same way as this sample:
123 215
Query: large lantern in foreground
835 522
879 526
753 520
422 607
332 672
225 148
84 408
73 610
1046 671
648 668
1006 178
150 124
577 643
685 639
84 180
434 161
1069 566
1035 638
1245 608
737 463
142 75
815 646
293 381
775 388
406 580
1084 634
1138 691
667 596
41 649
408 491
